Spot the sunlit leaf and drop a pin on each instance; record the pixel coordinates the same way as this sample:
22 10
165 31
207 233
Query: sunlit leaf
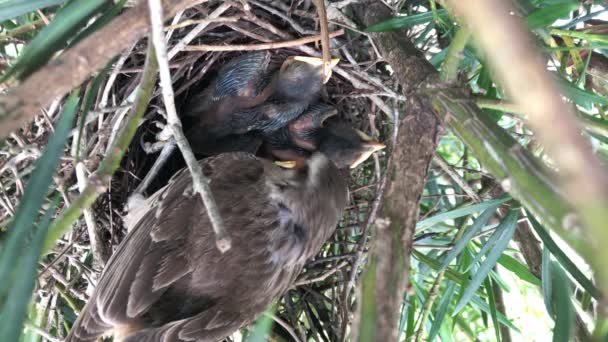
509 224
406 21
468 235
442 310
460 212
563 259
518 269
53 37
13 8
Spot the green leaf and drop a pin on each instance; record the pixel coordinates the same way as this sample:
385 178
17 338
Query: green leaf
460 212
564 310
563 259
33 197
520 270
483 306
442 309
492 303
579 96
105 18
491 241
547 282
549 14
13 8
405 22
53 37
261 328
508 228
15 306
468 235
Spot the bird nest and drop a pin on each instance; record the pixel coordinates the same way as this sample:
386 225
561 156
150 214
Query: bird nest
320 306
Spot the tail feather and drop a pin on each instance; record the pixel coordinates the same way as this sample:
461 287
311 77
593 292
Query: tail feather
89 326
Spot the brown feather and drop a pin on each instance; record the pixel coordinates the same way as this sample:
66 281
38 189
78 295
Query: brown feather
168 280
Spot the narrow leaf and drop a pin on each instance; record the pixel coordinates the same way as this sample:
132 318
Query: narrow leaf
53 37
406 21
564 310
460 212
14 309
468 235
33 196
520 270
492 303
14 8
442 310
549 14
547 282
491 260
563 259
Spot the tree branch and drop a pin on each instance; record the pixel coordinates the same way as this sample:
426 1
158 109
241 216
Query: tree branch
75 65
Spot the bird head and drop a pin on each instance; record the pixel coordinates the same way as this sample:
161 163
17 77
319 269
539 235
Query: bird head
301 78
346 146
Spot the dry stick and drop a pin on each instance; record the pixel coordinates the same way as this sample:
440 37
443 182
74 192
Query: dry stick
324 38
457 179
205 21
199 182
198 29
97 183
581 176
261 46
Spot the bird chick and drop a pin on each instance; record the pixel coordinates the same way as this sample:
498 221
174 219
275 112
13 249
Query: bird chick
344 145
288 92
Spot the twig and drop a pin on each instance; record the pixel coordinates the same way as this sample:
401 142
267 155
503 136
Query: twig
205 21
456 178
324 38
199 181
43 333
97 182
198 29
261 46
321 277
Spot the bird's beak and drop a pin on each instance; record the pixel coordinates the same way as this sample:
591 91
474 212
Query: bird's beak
287 164
369 147
319 62
328 115
374 146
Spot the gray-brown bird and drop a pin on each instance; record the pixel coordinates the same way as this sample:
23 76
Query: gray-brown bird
168 282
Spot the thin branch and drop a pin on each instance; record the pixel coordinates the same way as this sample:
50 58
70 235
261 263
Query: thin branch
261 46
324 38
199 182
206 21
97 183
456 178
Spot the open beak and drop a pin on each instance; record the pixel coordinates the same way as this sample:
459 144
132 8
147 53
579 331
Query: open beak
287 164
319 62
369 147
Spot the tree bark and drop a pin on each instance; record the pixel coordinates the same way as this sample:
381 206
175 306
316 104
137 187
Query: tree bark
386 276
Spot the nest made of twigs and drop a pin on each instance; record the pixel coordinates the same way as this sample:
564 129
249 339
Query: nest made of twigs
321 305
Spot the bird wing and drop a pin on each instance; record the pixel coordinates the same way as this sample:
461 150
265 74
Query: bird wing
244 76
153 255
